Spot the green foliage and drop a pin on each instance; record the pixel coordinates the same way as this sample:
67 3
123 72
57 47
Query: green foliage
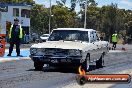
82 3
39 18
106 19
61 17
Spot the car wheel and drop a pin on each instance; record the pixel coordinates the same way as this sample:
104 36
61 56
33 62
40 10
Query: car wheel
38 66
86 63
81 80
100 62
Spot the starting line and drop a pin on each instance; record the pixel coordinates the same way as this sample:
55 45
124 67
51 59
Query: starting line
24 52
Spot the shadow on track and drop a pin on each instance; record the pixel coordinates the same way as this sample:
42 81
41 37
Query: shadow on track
64 69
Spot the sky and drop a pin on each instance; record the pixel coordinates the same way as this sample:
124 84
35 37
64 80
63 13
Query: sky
122 4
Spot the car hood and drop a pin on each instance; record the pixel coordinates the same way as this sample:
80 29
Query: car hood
62 45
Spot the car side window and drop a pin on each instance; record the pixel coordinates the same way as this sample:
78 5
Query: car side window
91 37
96 38
85 37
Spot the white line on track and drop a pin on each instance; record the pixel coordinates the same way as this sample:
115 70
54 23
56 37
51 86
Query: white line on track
13 59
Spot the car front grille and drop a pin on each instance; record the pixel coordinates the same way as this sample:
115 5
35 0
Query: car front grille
52 51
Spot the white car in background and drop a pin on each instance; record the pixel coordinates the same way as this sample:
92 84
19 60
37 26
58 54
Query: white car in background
70 47
44 37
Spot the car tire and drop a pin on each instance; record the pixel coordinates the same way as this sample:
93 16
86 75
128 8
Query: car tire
86 63
100 62
81 80
38 66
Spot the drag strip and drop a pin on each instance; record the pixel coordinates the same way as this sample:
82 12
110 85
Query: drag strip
21 73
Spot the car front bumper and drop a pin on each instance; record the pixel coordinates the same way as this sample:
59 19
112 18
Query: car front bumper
57 59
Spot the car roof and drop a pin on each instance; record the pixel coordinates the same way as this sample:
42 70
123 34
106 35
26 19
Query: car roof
79 29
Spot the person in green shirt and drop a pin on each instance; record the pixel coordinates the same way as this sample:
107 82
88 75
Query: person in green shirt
114 40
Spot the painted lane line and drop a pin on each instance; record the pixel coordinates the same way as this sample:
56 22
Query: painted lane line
13 59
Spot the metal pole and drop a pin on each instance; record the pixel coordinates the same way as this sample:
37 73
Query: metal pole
50 17
85 21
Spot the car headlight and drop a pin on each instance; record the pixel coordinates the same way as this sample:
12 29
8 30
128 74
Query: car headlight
33 51
37 50
75 52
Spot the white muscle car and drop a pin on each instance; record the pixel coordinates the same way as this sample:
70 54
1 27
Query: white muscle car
70 47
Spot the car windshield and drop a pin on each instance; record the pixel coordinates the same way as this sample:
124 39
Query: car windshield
69 35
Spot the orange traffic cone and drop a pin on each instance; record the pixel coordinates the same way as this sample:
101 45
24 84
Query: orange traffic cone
2 44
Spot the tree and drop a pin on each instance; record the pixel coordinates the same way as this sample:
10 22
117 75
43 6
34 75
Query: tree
62 17
39 19
82 3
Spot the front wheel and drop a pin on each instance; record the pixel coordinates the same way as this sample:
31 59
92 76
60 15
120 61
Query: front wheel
86 63
38 66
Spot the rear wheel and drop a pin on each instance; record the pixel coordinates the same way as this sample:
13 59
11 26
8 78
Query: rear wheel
38 66
86 63
100 62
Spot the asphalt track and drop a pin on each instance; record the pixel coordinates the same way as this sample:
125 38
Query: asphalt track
20 73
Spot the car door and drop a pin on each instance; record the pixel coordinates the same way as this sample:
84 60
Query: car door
98 43
94 52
